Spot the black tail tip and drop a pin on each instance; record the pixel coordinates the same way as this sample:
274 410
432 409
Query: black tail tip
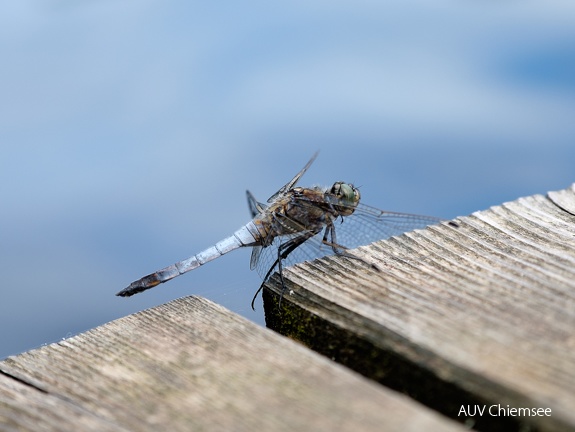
130 291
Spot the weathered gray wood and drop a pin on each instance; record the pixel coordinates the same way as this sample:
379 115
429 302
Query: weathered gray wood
25 408
487 309
192 365
564 199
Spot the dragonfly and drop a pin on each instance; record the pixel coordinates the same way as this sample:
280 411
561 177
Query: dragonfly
298 224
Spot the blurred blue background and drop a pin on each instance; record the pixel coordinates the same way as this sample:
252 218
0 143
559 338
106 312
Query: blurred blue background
130 130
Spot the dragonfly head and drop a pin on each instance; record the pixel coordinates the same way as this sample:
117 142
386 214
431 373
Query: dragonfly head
346 198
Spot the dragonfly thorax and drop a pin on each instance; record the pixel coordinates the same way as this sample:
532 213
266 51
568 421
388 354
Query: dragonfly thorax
346 196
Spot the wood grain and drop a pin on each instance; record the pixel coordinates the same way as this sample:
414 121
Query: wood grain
486 309
193 365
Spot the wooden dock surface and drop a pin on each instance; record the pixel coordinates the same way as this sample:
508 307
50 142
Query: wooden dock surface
477 314
481 313
191 365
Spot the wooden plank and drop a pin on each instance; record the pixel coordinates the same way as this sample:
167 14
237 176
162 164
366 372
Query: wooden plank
192 365
564 199
483 313
25 408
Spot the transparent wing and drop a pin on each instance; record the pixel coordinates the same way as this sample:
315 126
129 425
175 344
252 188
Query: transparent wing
254 206
289 185
366 225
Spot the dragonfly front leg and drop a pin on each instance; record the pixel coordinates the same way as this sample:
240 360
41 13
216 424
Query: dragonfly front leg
340 250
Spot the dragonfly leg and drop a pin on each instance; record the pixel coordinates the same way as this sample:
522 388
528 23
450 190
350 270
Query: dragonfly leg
340 250
283 252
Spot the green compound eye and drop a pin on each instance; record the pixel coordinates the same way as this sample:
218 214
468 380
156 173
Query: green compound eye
346 198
